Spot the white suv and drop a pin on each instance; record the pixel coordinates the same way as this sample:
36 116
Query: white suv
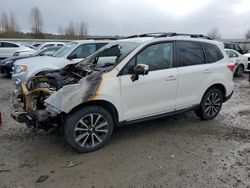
128 81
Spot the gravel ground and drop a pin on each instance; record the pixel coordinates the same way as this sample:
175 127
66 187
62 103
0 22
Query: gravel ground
178 151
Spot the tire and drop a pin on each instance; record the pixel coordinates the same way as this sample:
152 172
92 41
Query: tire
211 104
239 71
8 74
88 129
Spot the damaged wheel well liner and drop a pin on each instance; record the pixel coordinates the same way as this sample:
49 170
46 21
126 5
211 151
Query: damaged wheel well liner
105 104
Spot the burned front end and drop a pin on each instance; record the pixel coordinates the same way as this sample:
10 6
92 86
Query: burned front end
42 101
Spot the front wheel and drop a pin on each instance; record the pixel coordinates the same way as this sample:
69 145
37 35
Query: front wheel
88 129
210 105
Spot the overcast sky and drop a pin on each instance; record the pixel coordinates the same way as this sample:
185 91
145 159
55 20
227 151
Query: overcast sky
126 17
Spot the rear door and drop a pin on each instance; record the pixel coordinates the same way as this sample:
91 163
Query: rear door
194 73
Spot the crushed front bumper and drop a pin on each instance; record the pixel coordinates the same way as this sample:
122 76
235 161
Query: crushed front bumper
19 112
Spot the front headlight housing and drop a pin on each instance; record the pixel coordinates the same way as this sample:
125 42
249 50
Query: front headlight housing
20 68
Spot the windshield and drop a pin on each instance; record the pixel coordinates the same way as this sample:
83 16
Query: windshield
110 54
62 52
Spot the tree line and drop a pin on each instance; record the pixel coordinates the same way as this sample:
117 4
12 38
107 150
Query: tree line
9 27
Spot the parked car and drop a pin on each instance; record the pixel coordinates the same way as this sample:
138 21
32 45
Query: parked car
235 47
6 66
71 53
127 81
248 57
239 61
7 49
50 44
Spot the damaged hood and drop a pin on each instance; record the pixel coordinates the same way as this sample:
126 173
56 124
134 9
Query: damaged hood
72 95
41 61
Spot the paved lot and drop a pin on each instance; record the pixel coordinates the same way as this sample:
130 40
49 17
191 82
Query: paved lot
178 151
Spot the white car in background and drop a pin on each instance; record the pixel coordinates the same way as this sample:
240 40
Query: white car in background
7 49
248 57
71 53
50 44
239 61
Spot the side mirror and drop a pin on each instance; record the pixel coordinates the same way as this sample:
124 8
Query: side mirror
140 69
72 56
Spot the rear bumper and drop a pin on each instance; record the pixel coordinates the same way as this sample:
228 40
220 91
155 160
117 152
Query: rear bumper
228 97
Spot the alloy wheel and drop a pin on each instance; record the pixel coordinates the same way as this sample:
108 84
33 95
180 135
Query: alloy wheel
213 104
91 130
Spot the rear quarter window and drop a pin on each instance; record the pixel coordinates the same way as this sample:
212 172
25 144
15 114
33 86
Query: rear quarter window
214 54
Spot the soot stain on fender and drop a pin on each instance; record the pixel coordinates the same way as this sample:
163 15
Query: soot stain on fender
70 96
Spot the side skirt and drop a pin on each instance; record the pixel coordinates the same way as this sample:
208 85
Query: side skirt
159 115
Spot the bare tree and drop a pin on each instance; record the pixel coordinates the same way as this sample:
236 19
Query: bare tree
5 22
9 26
36 21
70 31
247 34
13 23
83 30
214 34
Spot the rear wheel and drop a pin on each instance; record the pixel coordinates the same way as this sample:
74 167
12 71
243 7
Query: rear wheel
239 70
210 105
88 129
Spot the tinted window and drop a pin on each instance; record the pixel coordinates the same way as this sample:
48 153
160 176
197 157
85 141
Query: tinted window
129 67
99 45
60 45
47 45
213 52
8 45
157 56
231 54
84 50
189 53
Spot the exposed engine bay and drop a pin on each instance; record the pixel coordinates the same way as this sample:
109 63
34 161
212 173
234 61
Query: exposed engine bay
45 83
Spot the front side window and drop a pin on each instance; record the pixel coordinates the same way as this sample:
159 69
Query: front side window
213 52
47 45
189 53
157 56
84 50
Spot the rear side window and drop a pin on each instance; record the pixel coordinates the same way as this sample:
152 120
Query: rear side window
8 45
213 52
60 45
189 53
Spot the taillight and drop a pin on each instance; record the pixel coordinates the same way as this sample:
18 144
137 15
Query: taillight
231 66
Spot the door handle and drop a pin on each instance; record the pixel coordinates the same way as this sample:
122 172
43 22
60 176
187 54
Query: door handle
207 71
171 77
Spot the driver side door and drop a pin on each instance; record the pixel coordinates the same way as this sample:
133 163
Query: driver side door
152 94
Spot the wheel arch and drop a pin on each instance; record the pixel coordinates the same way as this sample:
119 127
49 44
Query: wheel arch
105 104
219 86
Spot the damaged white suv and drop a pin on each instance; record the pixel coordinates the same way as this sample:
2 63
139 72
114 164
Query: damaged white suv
130 80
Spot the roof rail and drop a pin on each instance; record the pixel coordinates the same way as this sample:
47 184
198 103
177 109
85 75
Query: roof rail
169 34
184 34
148 35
